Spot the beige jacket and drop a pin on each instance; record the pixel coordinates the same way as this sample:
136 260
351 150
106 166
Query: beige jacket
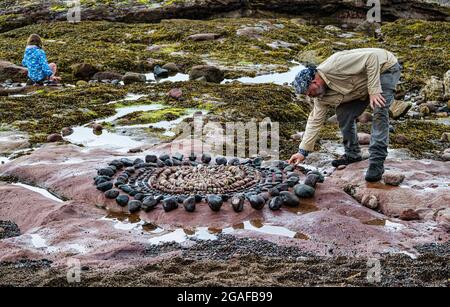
350 75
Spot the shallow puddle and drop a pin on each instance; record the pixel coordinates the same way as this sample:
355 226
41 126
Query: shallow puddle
276 78
303 209
41 191
158 235
175 78
38 242
124 138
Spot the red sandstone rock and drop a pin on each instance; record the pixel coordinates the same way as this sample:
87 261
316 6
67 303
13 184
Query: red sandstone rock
55 137
394 179
175 93
409 215
364 138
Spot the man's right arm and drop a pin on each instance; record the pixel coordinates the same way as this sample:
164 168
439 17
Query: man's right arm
316 120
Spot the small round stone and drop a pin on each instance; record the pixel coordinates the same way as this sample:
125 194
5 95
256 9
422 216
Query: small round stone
304 191
206 158
221 161
149 203
139 196
105 186
134 206
257 202
151 159
189 204
237 202
215 202
274 192
108 171
312 180
170 204
122 200
112 194
289 199
276 203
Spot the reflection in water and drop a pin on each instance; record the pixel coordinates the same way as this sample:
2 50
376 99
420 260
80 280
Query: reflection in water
136 135
277 78
175 78
158 235
303 208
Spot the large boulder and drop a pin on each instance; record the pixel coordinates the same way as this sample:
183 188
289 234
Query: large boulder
10 71
83 71
206 72
434 89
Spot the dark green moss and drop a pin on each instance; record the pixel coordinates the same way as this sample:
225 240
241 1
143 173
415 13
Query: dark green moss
47 111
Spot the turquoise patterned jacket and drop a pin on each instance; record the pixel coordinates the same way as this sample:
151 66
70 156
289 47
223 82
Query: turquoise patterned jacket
35 60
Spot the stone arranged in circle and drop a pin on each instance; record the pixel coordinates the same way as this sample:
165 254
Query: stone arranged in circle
215 202
112 194
304 191
189 204
276 203
237 202
170 204
122 200
134 206
105 186
257 202
177 180
289 199
215 179
149 203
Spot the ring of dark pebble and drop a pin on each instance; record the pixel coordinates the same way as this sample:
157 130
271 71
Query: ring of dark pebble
142 184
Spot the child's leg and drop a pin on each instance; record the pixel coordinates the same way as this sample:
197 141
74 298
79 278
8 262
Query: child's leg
53 68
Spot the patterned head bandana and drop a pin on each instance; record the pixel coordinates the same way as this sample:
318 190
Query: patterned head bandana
304 78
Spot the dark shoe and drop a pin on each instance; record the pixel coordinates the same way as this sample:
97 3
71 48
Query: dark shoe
375 172
345 161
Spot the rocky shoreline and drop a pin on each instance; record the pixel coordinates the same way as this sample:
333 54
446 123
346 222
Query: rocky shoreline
28 12
87 172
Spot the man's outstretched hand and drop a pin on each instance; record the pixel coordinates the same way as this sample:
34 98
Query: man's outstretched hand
377 101
297 159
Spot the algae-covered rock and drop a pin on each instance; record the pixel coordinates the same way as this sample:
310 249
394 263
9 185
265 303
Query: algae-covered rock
209 73
83 71
10 71
107 75
132 77
434 89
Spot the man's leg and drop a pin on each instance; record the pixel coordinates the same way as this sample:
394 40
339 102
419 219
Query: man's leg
380 125
346 115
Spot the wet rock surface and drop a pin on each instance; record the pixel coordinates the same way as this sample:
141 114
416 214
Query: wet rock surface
423 188
148 213
331 227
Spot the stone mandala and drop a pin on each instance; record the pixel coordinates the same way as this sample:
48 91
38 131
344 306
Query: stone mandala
172 181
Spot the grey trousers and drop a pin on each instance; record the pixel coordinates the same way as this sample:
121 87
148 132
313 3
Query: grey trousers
348 112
